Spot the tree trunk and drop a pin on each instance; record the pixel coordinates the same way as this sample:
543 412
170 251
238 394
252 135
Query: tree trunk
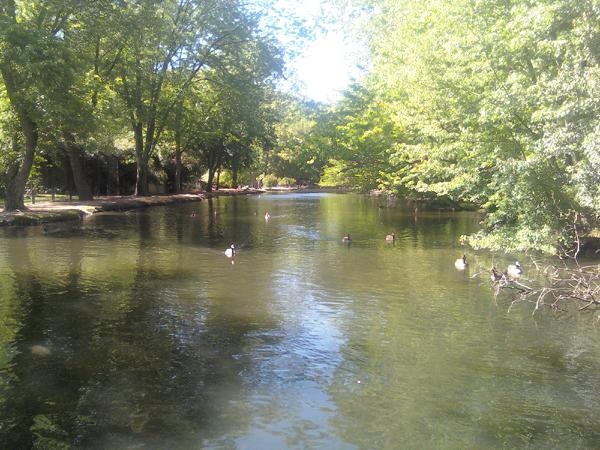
211 178
82 186
141 182
18 174
235 169
211 159
178 114
52 190
15 191
177 172
177 187
117 177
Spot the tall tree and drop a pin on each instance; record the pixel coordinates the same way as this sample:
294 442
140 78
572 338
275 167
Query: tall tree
42 77
160 37
223 116
26 43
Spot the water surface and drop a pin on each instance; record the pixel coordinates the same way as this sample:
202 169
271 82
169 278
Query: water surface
135 331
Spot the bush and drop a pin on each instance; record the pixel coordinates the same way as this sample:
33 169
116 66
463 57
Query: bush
226 178
287 181
270 180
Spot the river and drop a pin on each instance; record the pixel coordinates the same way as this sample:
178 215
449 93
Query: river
134 330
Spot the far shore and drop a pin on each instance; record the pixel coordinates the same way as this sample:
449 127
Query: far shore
62 210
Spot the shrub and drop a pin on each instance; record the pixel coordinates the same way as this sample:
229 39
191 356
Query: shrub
287 181
226 178
270 180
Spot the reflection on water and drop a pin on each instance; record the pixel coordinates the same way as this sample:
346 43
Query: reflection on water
138 332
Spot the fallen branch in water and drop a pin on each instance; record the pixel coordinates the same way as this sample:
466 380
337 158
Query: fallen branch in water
556 288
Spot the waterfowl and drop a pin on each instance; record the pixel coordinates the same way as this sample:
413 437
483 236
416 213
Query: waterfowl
496 275
267 216
347 238
229 252
514 270
390 237
461 263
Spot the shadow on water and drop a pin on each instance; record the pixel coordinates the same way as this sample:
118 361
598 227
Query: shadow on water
116 369
48 339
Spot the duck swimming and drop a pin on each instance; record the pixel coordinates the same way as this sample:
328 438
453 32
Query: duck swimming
390 237
229 252
347 238
461 263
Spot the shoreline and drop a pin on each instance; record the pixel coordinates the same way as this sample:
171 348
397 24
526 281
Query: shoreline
64 210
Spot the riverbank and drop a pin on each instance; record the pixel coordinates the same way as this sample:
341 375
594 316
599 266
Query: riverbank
64 210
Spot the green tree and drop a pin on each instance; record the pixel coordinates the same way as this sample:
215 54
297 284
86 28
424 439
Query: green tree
362 136
35 73
164 38
44 70
224 116
491 103
302 146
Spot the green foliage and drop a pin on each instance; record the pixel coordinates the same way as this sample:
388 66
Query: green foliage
492 103
335 175
295 151
226 178
356 136
7 151
270 180
286 181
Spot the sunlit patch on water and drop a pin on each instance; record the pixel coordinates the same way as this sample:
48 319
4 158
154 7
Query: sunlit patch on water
301 232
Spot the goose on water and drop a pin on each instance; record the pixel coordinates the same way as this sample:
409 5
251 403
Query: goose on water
496 275
514 270
461 263
229 252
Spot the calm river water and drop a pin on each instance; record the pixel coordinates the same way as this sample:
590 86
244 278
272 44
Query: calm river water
136 331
